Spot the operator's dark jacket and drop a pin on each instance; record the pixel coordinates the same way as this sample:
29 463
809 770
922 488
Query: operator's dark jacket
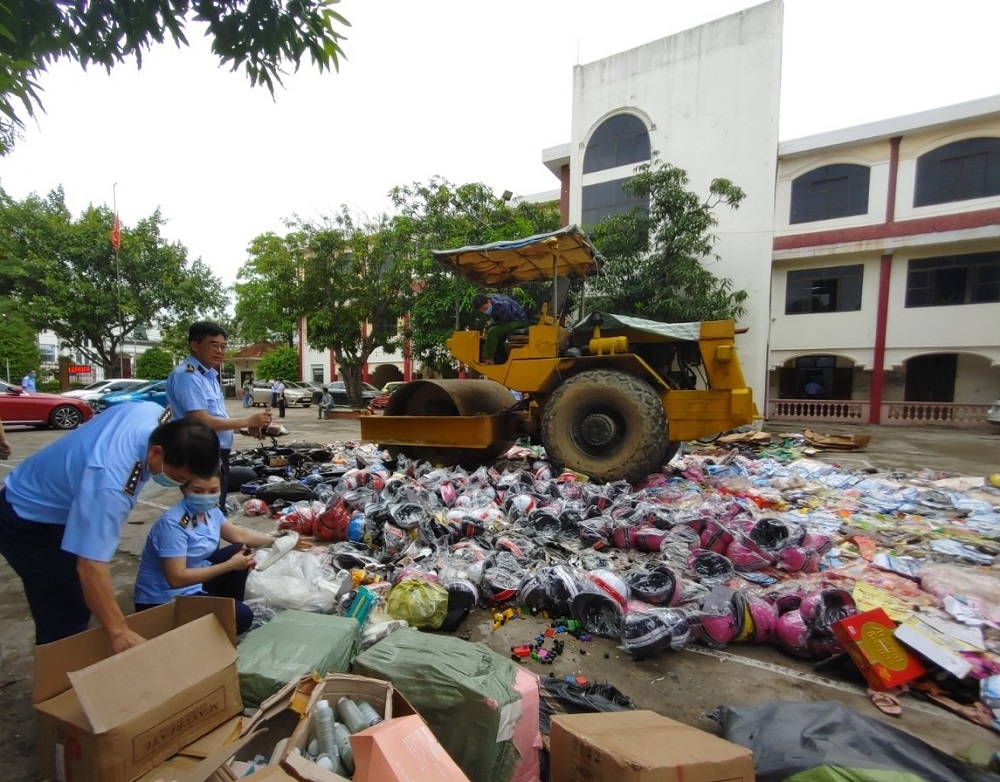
506 310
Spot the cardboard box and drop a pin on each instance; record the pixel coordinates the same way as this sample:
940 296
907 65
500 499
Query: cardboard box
942 642
641 746
380 694
111 718
402 750
868 639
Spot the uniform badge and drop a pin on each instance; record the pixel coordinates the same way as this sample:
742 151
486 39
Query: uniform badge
189 368
133 480
166 416
185 520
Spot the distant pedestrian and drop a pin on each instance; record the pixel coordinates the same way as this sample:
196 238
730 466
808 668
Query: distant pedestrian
813 389
326 403
274 391
247 391
279 390
28 382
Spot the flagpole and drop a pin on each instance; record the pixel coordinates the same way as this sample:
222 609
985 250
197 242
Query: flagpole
116 243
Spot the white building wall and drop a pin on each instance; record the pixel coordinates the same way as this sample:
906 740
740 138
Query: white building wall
850 334
709 97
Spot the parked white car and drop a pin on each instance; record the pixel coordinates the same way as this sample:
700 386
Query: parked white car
993 415
95 391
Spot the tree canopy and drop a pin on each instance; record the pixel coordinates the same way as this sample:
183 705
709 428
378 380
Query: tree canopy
155 364
663 252
18 344
269 289
358 282
63 274
281 362
262 37
439 215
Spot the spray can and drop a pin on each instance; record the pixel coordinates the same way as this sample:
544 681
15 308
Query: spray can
368 712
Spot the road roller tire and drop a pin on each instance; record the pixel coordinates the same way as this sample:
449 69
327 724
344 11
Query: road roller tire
606 424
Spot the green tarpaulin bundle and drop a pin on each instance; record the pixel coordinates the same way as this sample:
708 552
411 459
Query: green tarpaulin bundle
290 646
464 691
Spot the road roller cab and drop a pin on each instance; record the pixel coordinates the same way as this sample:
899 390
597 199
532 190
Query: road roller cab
610 396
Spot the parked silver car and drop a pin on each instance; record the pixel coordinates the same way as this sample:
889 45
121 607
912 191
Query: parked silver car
95 391
260 394
993 414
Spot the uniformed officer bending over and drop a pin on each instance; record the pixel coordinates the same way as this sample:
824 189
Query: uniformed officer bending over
63 508
193 391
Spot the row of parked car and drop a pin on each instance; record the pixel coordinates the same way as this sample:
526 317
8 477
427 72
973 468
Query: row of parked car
72 408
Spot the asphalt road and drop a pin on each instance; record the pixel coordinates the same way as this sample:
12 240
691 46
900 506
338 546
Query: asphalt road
684 685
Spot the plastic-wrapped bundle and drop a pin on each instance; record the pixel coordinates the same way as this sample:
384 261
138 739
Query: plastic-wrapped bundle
647 630
660 586
597 613
549 589
709 567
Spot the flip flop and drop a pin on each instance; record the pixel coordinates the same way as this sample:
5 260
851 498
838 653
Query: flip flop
886 702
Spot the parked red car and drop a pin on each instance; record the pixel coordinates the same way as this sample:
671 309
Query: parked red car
17 406
378 403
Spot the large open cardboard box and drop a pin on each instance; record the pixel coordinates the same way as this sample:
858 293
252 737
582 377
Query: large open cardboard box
642 746
111 718
382 696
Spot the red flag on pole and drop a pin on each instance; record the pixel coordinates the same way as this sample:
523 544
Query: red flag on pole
116 234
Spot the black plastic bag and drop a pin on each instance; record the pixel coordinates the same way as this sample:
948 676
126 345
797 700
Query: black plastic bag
791 738
561 696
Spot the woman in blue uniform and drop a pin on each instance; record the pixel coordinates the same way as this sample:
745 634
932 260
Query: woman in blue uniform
182 554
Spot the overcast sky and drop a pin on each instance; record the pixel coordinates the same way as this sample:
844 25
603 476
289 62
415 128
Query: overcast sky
467 89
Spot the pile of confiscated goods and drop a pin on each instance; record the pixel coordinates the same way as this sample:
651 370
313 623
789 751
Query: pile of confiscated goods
720 547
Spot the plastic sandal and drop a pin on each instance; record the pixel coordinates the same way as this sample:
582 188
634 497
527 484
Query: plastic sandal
886 702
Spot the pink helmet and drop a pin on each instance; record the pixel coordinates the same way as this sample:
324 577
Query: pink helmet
715 537
747 558
822 609
714 629
792 634
796 559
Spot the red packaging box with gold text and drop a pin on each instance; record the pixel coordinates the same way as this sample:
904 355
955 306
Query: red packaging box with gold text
883 660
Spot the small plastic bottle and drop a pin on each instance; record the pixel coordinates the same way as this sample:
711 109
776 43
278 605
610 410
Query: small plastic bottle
343 736
351 715
324 718
330 763
368 712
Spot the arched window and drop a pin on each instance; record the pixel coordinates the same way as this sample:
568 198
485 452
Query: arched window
958 171
608 198
619 140
830 191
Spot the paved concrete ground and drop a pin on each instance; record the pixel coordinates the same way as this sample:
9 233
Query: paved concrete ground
682 685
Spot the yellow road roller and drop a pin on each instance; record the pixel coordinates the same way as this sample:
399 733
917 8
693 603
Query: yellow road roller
610 396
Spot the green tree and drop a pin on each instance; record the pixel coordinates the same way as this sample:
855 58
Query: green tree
155 364
65 276
441 215
281 362
269 289
358 282
18 344
663 252
263 37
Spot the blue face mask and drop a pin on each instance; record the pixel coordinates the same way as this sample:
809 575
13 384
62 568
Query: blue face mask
201 503
489 309
164 480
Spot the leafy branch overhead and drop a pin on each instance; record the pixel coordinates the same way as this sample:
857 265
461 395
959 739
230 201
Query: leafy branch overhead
664 250
263 37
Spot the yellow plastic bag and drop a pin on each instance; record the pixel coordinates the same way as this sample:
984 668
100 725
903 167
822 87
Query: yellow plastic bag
420 603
